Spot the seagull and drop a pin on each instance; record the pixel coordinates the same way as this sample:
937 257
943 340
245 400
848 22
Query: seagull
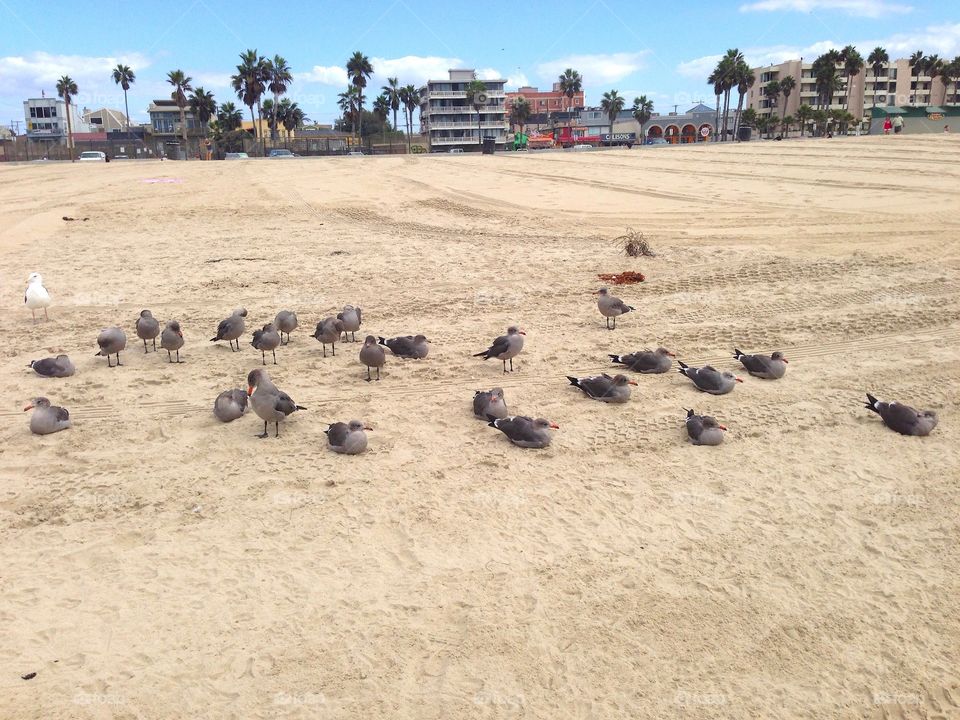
172 340
347 438
489 402
147 329
524 431
286 322
230 404
268 402
231 328
328 332
506 347
372 355
266 339
58 367
351 317
604 388
704 429
646 362
773 367
47 418
413 347
709 379
111 341
611 307
36 296
903 418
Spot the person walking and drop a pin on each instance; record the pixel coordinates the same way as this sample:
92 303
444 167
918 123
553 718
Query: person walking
897 125
887 126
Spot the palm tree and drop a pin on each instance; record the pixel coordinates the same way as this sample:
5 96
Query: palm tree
804 113
358 70
827 77
381 108
410 97
66 89
786 122
203 107
229 117
124 77
477 96
571 83
612 104
716 79
725 75
347 102
291 115
181 86
933 66
763 124
248 83
642 112
745 79
392 91
278 76
520 113
916 67
787 84
950 74
852 65
771 91
877 59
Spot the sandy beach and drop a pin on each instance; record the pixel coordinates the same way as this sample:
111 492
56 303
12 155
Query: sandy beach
160 564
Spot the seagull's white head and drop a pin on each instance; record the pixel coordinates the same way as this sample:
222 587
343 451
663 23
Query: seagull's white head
34 278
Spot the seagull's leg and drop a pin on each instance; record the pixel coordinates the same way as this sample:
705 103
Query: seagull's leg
378 372
263 357
368 374
118 360
511 364
264 430
504 367
324 349
154 344
144 347
45 316
108 361
34 312
278 429
178 357
334 346
274 357
170 357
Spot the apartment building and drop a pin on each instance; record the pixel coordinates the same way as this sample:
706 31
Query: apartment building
895 86
449 121
543 103
46 119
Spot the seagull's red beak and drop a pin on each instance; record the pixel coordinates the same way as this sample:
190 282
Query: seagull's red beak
521 332
671 354
785 360
179 333
249 391
28 407
722 427
367 427
554 426
632 382
739 380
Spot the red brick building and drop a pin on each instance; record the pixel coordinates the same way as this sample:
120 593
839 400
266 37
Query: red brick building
544 102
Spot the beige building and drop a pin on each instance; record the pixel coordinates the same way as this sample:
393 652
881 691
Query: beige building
896 86
105 119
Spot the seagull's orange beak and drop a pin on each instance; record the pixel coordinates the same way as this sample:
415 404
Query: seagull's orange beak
671 354
554 426
739 380
722 427
28 407
632 382
179 333
785 360
521 332
249 391
367 427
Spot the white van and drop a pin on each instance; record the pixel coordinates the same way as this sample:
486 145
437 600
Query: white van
93 156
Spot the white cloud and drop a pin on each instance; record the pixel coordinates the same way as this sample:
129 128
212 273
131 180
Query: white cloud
517 80
414 69
596 69
859 8
323 75
699 68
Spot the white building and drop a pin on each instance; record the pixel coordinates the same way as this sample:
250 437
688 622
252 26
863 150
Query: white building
450 121
46 118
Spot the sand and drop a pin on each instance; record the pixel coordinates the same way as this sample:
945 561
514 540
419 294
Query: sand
159 564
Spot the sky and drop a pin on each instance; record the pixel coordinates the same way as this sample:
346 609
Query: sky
662 50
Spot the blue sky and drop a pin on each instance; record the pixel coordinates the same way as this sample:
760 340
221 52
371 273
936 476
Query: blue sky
662 50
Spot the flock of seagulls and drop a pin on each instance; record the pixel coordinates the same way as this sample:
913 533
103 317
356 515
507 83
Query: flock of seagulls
272 405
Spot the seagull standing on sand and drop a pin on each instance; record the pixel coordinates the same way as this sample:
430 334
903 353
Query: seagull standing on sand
903 418
268 402
709 379
646 362
36 296
611 307
372 355
172 340
286 322
704 429
351 317
506 347
266 339
230 404
231 328
524 431
411 347
347 438
111 341
489 403
47 418
771 367
147 329
328 332
59 367
604 388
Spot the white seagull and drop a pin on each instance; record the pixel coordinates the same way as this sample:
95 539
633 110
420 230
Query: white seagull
36 296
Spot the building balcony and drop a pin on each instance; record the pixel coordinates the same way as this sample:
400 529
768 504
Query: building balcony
463 93
466 124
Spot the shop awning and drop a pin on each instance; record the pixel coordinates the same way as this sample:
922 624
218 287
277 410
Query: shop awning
894 111
934 109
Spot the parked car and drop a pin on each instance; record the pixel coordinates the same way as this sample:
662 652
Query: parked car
235 156
281 154
120 157
356 153
456 151
657 141
583 147
92 156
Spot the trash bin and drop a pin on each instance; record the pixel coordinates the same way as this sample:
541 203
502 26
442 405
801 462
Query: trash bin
489 143
744 134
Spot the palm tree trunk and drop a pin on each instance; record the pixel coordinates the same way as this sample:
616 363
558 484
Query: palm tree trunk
716 124
69 133
127 108
360 116
253 119
273 127
726 112
183 134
